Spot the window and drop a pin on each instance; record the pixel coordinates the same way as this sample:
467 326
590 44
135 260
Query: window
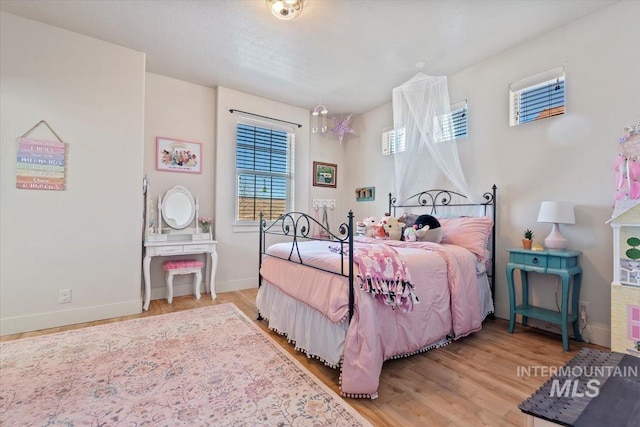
393 141
537 97
455 125
264 172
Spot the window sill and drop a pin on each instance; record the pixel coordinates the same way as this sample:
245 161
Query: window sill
252 227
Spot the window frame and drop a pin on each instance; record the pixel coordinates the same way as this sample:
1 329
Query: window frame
542 81
393 140
451 134
289 176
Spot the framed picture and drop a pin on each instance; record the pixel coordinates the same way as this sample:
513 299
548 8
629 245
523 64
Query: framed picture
365 194
325 174
173 155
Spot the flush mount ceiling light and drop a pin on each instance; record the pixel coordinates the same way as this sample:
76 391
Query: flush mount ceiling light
285 9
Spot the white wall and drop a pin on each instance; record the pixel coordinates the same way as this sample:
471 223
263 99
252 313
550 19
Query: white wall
367 167
326 148
88 237
237 250
183 111
567 157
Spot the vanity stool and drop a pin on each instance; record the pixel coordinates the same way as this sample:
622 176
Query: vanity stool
186 266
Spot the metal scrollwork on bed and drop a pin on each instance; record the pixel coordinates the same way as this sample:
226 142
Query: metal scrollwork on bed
296 226
434 199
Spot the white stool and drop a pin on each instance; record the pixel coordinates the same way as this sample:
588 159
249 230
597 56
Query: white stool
186 266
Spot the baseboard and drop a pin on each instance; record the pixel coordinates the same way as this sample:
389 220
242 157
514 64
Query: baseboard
182 289
593 333
53 319
236 285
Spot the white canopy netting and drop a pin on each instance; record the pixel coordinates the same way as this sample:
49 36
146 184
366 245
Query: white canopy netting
430 161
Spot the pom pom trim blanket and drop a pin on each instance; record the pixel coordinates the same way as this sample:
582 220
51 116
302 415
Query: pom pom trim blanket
445 282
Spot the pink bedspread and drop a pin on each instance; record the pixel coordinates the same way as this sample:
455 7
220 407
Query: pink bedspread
445 282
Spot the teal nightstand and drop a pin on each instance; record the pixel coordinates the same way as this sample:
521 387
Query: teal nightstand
561 263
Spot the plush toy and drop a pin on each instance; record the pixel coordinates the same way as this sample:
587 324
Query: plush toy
428 229
361 228
389 228
369 222
410 234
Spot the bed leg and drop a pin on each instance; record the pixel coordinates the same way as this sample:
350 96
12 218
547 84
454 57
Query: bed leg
259 316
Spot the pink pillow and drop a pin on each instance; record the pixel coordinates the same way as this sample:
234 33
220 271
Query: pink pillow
470 233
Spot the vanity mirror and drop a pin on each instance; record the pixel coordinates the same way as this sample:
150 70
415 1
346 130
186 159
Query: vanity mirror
180 236
178 208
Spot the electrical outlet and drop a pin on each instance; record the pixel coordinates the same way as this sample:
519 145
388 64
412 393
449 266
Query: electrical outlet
64 296
584 310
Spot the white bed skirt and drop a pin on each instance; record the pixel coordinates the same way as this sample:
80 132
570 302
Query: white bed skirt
484 292
310 331
314 334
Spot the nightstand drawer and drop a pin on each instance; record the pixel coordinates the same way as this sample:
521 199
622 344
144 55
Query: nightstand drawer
532 259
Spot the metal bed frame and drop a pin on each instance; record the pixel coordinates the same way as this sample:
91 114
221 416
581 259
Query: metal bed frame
299 226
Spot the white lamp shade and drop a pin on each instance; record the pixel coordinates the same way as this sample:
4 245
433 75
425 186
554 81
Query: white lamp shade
557 213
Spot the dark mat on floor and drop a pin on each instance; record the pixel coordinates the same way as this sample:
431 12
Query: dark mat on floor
595 388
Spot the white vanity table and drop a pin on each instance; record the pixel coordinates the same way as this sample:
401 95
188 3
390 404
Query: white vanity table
179 210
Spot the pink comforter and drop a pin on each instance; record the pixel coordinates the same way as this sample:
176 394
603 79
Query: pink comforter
445 282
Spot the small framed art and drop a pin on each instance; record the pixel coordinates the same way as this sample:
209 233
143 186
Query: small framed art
365 194
325 174
173 155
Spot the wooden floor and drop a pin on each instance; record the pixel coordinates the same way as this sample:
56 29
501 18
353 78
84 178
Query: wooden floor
471 382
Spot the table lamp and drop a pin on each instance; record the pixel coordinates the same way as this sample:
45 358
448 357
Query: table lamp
556 213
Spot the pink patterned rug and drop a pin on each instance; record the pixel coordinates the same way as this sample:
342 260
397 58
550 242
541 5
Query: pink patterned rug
205 367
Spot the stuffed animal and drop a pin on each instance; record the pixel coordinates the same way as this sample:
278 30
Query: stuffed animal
410 234
389 228
428 229
361 228
369 222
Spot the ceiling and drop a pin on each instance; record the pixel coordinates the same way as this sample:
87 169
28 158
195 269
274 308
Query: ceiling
347 54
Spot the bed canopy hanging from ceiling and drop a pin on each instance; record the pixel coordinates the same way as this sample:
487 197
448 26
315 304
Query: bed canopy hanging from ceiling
421 106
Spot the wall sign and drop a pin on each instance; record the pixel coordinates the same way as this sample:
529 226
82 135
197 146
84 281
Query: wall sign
41 164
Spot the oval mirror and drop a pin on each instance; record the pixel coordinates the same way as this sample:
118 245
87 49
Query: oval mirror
178 208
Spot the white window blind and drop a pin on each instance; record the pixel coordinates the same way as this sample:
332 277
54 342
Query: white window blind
393 140
264 172
453 126
537 97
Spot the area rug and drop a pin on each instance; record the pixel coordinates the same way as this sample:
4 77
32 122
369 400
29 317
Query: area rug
204 367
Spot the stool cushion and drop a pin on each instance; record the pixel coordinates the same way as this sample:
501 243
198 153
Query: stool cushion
183 263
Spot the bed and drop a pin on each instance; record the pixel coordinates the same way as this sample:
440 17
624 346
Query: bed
334 303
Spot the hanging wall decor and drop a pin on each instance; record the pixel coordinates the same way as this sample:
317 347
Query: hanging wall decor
178 156
325 174
627 164
341 127
41 163
365 194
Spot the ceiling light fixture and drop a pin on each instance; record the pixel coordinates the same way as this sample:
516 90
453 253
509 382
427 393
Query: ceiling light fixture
285 9
319 119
